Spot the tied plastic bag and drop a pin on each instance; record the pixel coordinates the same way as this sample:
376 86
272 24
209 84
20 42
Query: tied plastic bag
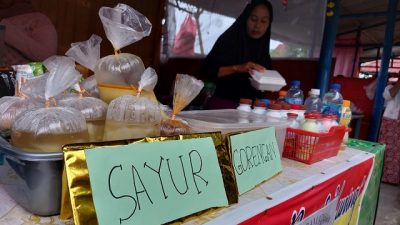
86 53
90 85
185 90
34 87
12 106
123 26
185 39
148 81
131 117
62 75
93 109
48 129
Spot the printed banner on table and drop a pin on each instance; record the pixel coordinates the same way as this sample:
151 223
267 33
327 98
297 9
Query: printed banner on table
324 216
154 183
347 186
256 157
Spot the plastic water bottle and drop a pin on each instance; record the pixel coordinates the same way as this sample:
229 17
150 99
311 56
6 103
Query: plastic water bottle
295 95
333 100
292 120
313 103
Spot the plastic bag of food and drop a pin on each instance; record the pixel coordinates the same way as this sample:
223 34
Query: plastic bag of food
134 116
131 117
48 129
123 26
90 86
86 53
185 90
12 106
93 109
34 88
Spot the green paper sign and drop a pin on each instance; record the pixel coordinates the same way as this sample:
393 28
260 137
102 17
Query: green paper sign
256 157
154 183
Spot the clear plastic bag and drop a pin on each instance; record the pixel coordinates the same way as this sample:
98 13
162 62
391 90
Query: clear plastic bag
28 92
132 117
11 107
122 69
34 87
148 80
185 90
123 26
90 86
48 129
86 53
62 75
93 109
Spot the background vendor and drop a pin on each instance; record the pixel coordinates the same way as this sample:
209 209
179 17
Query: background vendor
243 47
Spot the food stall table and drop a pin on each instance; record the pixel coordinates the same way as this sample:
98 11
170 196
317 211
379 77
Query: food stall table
294 179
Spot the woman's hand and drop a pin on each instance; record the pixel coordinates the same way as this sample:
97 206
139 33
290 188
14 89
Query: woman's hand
241 68
248 67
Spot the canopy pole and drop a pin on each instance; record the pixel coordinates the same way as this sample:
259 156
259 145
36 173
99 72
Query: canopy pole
383 72
328 44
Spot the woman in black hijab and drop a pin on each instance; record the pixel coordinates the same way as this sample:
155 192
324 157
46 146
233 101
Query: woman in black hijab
243 47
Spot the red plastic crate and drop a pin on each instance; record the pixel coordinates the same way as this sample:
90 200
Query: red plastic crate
310 147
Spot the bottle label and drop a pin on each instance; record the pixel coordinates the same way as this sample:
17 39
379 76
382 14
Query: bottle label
334 109
346 117
294 101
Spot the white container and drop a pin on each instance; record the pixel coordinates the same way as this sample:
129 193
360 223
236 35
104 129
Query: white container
269 80
260 108
228 121
245 105
274 115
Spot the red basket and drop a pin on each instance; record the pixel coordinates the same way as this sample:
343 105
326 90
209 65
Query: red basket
310 147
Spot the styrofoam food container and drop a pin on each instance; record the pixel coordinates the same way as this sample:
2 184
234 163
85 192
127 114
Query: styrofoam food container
269 80
231 120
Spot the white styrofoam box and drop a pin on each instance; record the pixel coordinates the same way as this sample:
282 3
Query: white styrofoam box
269 80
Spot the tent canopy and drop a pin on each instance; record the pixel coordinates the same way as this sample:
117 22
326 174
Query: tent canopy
364 20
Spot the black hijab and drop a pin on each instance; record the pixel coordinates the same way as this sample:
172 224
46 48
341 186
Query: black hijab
235 47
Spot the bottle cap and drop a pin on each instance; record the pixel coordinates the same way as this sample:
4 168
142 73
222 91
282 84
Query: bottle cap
295 83
315 91
346 103
295 107
245 101
292 115
312 116
282 93
335 86
260 103
266 100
